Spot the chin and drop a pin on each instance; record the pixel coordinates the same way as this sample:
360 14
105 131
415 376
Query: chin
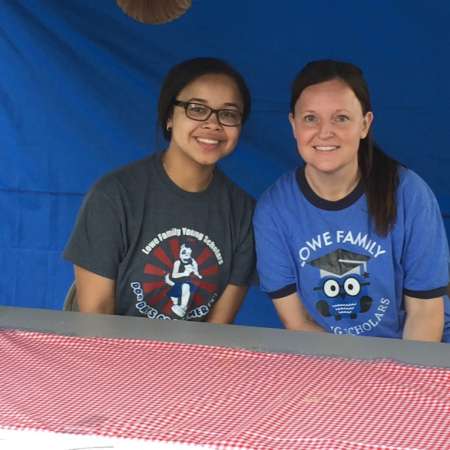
211 158
326 169
207 161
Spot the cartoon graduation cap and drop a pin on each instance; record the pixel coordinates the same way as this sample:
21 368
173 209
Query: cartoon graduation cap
340 263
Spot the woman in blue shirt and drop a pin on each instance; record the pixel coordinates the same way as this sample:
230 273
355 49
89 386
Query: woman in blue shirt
353 242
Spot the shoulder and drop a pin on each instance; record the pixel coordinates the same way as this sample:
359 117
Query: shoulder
126 178
413 190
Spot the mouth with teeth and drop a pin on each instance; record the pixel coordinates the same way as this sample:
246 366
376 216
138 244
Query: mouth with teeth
208 143
325 148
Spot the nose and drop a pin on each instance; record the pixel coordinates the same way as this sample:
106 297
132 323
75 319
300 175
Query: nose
213 121
326 130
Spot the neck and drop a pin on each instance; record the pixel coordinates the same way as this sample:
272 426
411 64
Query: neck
332 187
185 173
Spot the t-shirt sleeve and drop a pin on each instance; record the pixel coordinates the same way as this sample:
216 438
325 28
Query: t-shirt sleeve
243 271
96 243
425 257
276 274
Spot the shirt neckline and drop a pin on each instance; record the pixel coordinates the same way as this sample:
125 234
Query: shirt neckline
167 181
322 203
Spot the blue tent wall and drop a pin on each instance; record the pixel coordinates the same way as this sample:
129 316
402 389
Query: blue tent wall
79 82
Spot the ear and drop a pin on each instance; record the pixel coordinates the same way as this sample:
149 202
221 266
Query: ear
367 122
292 122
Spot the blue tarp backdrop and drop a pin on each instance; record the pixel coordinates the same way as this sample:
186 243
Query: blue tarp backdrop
79 82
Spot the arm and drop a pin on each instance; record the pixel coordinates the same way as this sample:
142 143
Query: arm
294 315
95 294
176 270
97 246
195 269
226 308
424 319
425 261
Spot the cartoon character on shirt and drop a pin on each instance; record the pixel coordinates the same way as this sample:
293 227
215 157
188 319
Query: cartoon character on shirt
342 289
182 288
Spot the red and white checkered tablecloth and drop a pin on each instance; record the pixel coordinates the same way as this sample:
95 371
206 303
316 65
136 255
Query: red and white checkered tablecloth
218 397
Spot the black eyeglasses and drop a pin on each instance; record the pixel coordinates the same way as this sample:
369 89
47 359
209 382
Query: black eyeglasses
199 112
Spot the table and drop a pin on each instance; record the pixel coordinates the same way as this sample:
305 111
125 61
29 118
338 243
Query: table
120 382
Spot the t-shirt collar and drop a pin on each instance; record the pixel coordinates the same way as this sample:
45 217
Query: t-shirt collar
320 202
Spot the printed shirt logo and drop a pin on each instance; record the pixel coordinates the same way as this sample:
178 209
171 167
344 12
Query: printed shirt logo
343 284
182 288
342 292
180 277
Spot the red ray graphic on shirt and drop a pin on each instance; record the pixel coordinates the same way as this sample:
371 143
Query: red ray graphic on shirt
167 309
204 255
208 287
174 247
161 263
157 297
212 270
161 255
198 299
150 269
148 287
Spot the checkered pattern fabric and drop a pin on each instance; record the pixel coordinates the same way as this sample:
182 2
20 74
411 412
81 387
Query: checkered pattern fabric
220 398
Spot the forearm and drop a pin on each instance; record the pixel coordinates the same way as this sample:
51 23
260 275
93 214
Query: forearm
226 308
305 325
424 319
90 304
420 328
95 294
294 315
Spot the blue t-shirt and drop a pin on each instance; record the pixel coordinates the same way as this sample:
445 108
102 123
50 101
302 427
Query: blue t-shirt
351 280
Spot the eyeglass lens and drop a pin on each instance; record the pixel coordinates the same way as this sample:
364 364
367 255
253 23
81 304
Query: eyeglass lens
227 117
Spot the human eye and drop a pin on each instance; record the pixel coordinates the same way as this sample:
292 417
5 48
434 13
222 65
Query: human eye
230 116
197 109
341 118
310 119
229 113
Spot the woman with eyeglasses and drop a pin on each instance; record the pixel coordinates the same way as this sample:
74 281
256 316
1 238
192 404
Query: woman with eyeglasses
170 237
352 242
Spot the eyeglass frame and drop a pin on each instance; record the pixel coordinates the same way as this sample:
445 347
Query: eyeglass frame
212 111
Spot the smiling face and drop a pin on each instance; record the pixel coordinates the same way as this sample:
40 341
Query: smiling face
328 124
185 253
205 142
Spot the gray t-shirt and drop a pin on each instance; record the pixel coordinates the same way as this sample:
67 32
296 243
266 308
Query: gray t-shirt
171 252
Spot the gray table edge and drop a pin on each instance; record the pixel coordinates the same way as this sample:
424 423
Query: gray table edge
235 336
